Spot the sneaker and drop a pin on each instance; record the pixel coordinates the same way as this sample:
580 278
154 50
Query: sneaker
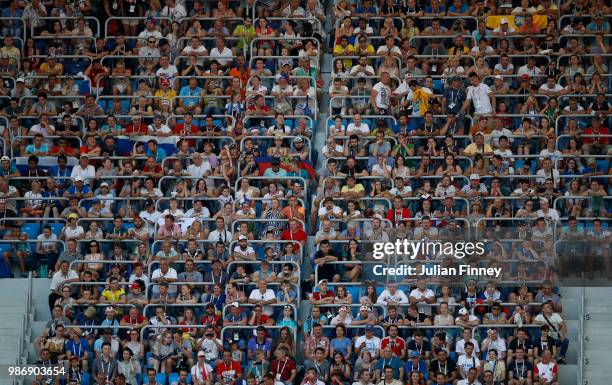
561 361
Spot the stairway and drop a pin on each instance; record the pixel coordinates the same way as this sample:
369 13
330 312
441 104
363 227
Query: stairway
597 337
12 323
40 314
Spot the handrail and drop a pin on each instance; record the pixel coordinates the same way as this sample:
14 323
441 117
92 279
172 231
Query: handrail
64 18
128 18
273 305
583 338
279 38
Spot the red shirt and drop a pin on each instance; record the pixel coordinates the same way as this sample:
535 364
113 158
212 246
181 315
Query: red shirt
317 295
142 129
602 131
397 216
69 151
131 321
229 371
299 236
283 367
397 344
264 108
157 169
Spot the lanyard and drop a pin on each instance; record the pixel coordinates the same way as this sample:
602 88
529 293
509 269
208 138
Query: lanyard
440 368
107 371
522 372
203 372
77 352
283 369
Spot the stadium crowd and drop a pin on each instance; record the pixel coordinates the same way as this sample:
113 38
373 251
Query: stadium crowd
160 164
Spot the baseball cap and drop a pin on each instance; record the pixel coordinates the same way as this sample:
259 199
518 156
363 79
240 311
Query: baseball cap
498 77
242 238
104 184
78 178
503 21
323 280
525 77
148 202
463 311
474 177
298 139
414 353
20 80
73 215
109 309
5 158
90 311
369 328
150 19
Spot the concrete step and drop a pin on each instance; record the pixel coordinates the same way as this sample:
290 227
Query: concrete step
571 308
40 302
37 328
568 374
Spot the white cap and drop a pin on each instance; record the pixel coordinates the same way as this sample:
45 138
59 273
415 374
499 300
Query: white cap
103 184
499 77
242 238
20 80
5 158
78 178
463 311
503 21
474 177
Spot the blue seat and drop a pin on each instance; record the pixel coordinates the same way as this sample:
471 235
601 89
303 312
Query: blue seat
159 377
32 229
56 228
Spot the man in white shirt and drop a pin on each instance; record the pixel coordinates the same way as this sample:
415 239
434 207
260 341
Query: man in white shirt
84 170
357 127
545 372
362 68
166 274
199 168
202 373
551 88
263 296
166 70
176 12
471 379
529 69
421 294
62 277
380 96
369 342
221 53
468 362
150 30
392 296
547 171
220 234
480 96
467 337
242 251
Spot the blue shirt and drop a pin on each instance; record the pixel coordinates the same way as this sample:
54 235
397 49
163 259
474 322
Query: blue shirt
193 95
160 156
341 345
78 349
422 368
31 148
253 345
85 190
394 362
464 8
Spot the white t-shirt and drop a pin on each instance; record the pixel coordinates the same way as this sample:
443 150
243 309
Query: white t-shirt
353 129
545 371
416 293
383 95
221 57
88 173
197 371
171 273
198 171
372 345
556 88
385 297
460 347
268 295
479 96
59 278
168 73
467 363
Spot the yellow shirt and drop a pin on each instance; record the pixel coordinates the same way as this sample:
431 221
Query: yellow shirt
167 95
113 296
348 50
